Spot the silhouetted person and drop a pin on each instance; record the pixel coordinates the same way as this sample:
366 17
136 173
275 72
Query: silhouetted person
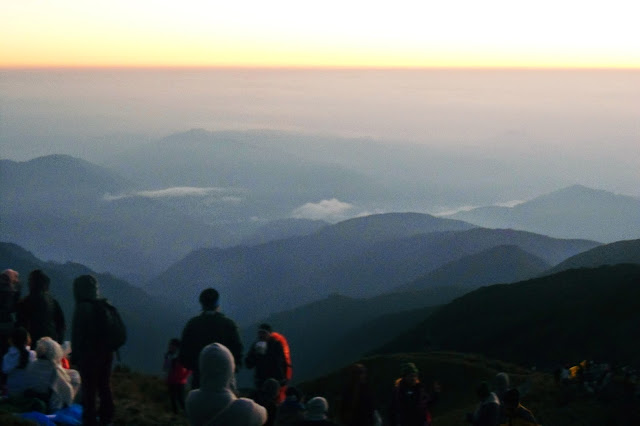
267 357
514 413
357 407
211 326
177 375
488 411
268 398
39 313
291 411
90 353
410 400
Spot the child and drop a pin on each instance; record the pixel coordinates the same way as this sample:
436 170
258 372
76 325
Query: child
177 375
15 361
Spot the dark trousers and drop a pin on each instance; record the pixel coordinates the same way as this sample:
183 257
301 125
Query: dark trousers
176 394
95 372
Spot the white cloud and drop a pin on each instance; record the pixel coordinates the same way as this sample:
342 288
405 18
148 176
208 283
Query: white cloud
173 192
329 210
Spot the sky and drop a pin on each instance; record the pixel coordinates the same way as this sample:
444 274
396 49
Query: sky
332 33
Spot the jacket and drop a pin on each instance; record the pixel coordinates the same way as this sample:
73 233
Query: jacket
214 403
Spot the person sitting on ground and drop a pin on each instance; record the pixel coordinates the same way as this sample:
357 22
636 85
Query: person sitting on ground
46 379
488 411
291 411
214 403
16 360
316 413
514 413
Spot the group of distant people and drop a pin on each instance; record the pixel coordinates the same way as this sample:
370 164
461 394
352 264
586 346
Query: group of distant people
42 379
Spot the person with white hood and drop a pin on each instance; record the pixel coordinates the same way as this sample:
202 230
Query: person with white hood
215 403
45 376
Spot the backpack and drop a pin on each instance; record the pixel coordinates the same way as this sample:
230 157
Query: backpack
110 325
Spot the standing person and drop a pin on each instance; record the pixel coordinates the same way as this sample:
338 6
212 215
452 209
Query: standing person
357 407
91 352
177 375
214 403
267 357
410 400
39 312
9 297
211 326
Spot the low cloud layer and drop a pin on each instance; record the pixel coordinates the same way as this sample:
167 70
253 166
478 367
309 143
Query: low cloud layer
329 210
174 192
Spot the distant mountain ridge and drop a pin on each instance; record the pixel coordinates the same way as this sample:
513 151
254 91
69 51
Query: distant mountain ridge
573 212
352 258
499 264
608 254
55 206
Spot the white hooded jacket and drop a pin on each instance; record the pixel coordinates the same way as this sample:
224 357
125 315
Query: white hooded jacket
215 404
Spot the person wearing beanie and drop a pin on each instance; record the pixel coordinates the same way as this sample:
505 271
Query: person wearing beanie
410 401
316 413
214 403
211 326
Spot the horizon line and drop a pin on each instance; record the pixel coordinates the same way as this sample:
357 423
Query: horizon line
318 67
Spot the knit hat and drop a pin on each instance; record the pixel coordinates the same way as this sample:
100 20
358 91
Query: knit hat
408 368
317 409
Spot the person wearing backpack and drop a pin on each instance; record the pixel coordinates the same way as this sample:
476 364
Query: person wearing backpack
96 332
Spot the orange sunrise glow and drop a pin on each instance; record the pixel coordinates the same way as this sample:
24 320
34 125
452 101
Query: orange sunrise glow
460 33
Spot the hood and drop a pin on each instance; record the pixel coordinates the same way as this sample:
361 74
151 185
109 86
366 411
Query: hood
49 349
85 287
216 368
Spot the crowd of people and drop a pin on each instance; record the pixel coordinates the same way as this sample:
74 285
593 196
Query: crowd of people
204 361
42 380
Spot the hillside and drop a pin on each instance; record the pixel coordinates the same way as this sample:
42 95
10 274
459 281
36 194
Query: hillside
358 258
150 323
333 320
608 254
458 375
575 314
500 264
66 209
573 212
